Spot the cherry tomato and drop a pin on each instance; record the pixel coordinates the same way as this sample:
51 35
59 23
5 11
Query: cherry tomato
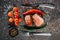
10 19
15 9
16 13
10 14
16 20
16 23
15 16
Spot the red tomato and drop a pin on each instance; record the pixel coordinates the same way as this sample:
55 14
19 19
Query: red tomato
10 19
15 9
16 24
16 13
15 16
16 20
10 14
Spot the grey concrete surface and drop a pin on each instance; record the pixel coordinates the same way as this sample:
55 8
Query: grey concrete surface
53 26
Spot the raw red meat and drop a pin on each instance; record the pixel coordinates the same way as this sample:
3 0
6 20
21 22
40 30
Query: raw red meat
28 20
37 20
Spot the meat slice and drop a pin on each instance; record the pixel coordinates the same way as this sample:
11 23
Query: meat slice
28 20
37 20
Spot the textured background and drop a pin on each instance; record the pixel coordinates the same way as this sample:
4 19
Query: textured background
53 26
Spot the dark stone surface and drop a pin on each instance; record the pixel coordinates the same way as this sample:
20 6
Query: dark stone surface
53 26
